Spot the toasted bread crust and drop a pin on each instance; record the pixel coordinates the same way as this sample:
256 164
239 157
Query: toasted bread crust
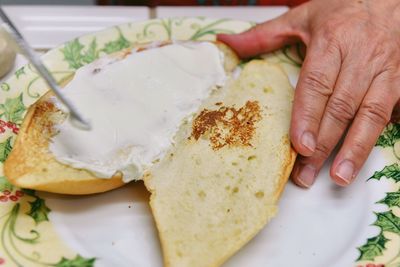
287 169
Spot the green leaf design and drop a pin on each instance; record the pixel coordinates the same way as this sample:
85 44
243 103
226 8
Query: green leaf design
5 149
73 53
390 172
20 72
5 184
290 59
13 109
387 221
392 199
91 54
5 86
29 192
373 248
210 29
78 261
166 24
117 45
39 210
390 135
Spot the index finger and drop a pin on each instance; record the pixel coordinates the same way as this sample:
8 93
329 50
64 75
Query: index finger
270 35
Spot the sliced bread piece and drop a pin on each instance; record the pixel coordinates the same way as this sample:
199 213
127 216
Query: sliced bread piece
221 183
32 165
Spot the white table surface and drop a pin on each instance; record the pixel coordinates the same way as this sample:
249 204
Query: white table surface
45 27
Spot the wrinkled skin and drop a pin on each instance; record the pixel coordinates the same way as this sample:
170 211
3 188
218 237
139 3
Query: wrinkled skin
349 83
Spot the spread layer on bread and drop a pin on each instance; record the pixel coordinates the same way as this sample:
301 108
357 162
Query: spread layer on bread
32 163
135 106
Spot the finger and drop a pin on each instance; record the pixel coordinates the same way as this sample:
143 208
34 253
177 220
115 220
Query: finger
350 89
270 35
372 116
316 82
302 171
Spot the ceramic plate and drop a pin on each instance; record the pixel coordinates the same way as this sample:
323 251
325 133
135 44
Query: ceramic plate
323 226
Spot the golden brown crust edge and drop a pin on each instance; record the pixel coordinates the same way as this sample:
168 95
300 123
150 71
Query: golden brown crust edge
85 187
288 166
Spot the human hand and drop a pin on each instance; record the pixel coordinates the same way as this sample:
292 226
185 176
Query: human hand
350 79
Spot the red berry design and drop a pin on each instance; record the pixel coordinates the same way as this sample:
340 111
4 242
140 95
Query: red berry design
16 130
2 261
6 192
2 130
3 198
13 198
10 125
19 193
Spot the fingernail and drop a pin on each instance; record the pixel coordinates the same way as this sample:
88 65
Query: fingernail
308 140
345 172
306 175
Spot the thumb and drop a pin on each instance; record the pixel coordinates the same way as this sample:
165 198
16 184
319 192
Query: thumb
270 35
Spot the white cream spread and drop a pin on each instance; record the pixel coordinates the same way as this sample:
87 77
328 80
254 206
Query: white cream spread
135 106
